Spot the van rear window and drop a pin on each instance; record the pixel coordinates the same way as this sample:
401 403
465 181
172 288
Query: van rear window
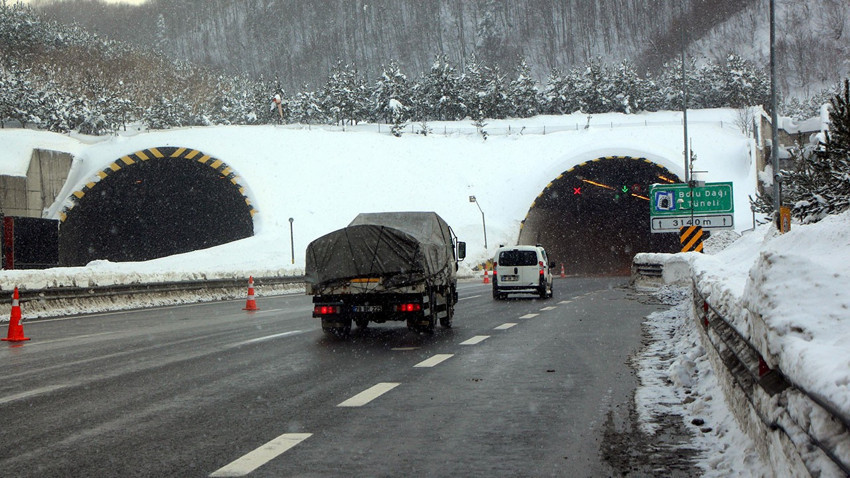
518 258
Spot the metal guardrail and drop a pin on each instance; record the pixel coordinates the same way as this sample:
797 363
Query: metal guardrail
56 294
748 368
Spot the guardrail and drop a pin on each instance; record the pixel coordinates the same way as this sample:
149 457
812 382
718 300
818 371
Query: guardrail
54 301
748 368
779 403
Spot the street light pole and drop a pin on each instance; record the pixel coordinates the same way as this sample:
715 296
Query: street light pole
774 140
472 199
292 239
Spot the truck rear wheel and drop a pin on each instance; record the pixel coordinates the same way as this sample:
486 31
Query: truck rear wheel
446 322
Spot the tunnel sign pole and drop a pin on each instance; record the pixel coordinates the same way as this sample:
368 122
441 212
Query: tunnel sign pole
672 206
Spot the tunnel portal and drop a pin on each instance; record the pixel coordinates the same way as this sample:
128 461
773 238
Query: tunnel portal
155 203
594 217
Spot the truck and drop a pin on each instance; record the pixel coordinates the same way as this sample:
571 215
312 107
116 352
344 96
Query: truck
386 266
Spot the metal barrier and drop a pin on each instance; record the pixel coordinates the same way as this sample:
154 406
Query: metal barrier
53 298
748 368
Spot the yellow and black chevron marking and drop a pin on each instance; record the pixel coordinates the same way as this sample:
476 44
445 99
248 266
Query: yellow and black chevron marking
691 238
154 154
560 176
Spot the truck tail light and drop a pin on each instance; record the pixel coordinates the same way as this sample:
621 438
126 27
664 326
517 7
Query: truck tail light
412 307
326 309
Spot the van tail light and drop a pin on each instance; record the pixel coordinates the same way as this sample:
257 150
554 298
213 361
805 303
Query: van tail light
495 265
542 268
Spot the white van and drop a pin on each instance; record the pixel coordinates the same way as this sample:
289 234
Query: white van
522 270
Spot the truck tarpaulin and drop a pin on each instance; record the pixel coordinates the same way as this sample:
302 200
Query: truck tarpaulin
398 247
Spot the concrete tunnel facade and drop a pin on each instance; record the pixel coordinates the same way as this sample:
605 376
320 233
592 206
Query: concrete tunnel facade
154 203
594 217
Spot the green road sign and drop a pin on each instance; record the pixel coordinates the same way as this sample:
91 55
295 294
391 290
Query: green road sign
672 206
676 200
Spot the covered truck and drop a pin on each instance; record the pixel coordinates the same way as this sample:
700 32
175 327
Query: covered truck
399 266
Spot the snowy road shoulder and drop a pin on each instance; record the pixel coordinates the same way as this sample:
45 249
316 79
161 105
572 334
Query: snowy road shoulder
676 378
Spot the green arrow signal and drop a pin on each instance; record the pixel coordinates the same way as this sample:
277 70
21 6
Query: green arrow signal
625 189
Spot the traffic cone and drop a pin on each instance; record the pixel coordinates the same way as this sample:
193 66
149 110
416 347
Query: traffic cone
562 271
251 304
486 276
16 329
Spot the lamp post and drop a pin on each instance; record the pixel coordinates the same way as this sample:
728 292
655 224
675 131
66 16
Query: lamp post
483 223
292 239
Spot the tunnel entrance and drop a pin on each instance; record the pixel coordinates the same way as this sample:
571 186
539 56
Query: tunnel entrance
595 217
152 204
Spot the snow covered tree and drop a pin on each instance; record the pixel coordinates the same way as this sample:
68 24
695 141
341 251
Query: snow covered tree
523 93
344 94
390 91
819 184
559 96
438 94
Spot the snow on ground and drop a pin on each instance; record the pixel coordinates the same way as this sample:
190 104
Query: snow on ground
676 378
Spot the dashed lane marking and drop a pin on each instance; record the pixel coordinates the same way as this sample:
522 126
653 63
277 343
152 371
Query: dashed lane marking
470 297
529 316
32 393
549 308
368 395
565 302
267 337
505 326
261 455
475 340
435 360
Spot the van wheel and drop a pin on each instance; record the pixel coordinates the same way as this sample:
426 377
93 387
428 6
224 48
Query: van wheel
542 292
362 323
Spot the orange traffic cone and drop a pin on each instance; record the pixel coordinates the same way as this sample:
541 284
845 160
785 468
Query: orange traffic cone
562 271
16 329
251 304
486 277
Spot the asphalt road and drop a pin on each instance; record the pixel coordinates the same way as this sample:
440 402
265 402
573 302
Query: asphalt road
523 387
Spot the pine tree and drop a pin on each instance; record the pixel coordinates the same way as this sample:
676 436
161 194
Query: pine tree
391 87
525 100
819 185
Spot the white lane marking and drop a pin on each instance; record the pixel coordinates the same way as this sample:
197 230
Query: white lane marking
261 455
267 337
65 339
475 340
505 326
470 297
368 395
31 393
565 302
435 360
549 308
529 316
